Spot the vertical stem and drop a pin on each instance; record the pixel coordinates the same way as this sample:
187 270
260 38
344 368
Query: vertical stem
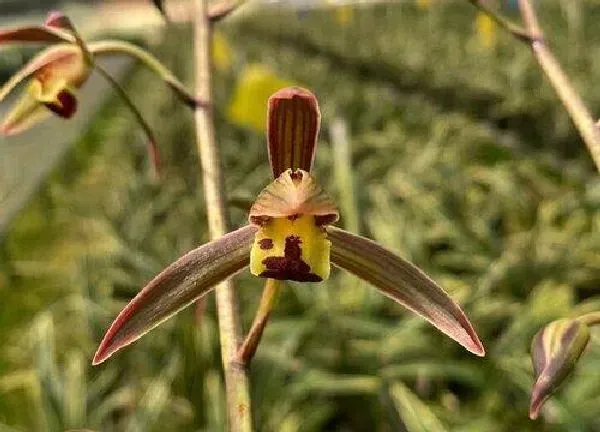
267 300
236 380
561 83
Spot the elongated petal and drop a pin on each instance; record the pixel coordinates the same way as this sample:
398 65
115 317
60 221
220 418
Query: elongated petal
27 112
293 125
555 350
293 194
184 281
34 34
403 282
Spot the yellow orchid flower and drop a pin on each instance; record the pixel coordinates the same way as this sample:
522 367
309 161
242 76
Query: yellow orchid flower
290 236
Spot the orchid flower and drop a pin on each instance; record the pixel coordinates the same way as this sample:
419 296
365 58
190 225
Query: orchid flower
290 236
58 71
54 75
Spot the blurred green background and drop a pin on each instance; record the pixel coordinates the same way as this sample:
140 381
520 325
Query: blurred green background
462 160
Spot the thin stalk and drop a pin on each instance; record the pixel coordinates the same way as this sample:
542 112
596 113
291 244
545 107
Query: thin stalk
236 380
151 142
511 27
590 319
267 301
575 106
117 47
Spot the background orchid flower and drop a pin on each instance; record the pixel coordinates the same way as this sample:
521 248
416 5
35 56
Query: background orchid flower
53 76
290 236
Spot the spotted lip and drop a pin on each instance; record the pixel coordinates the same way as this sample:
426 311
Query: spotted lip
290 266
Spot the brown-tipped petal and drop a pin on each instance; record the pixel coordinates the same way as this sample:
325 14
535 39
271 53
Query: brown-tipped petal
293 194
555 350
180 284
34 34
293 125
403 282
58 54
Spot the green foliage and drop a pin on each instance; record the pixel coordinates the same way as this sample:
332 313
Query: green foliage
463 161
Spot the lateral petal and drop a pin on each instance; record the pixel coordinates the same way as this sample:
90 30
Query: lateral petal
190 277
404 283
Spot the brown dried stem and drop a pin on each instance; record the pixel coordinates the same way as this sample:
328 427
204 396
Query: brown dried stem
236 380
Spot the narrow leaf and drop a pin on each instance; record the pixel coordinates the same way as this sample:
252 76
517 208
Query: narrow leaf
180 284
403 282
415 414
293 125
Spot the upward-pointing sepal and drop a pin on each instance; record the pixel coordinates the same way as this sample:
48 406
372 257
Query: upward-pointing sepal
292 129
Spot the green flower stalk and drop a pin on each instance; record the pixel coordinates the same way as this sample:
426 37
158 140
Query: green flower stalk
290 236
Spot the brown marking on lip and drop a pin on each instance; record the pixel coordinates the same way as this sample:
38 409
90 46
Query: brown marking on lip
65 106
290 266
266 244
294 217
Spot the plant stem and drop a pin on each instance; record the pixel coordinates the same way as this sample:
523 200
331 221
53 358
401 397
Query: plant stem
512 28
151 143
590 319
559 80
267 300
236 380
112 47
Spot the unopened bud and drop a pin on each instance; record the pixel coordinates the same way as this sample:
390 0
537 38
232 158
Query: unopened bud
555 350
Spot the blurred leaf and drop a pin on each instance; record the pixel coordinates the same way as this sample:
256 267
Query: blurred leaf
416 415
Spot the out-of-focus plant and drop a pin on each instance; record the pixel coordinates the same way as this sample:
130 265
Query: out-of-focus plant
58 71
532 35
556 348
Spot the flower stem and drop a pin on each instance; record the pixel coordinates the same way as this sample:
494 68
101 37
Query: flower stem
112 47
511 27
151 142
559 80
236 380
590 319
267 300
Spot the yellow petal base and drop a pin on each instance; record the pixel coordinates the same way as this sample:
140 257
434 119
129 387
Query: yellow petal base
291 248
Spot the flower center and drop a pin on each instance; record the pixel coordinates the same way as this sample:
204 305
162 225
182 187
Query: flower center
291 248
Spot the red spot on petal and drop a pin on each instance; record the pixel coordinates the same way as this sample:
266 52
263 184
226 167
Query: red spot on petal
266 244
65 105
290 266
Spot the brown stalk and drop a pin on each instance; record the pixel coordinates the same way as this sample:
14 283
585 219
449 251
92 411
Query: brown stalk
236 380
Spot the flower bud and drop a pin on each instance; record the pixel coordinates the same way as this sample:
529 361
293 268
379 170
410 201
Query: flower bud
555 350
